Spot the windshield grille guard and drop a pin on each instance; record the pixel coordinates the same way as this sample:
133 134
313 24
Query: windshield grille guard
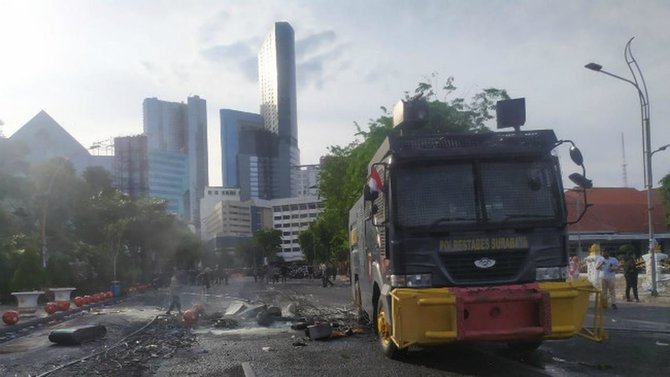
522 142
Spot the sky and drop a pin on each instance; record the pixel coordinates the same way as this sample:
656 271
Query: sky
90 64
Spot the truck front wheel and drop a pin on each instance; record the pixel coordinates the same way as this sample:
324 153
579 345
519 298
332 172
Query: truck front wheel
384 331
524 347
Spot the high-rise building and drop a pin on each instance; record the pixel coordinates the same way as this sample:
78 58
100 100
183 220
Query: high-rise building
196 133
308 180
168 181
250 155
291 216
177 147
227 221
131 165
277 76
232 121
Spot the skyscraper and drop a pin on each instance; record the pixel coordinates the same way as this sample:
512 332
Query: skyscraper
196 132
130 164
177 148
250 155
276 69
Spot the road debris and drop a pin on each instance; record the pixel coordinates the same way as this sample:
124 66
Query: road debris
75 336
267 317
299 343
236 308
301 325
226 323
319 331
137 354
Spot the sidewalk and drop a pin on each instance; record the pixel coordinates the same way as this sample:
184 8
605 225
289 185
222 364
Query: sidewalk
40 317
663 298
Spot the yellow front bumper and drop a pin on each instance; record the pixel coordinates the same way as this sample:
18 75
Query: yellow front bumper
431 315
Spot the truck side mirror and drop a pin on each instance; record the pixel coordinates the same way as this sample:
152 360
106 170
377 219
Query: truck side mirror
581 181
576 156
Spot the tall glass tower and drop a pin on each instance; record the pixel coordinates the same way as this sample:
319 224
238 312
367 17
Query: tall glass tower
249 154
177 148
276 70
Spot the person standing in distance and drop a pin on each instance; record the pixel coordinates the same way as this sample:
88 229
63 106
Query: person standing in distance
608 267
175 285
630 273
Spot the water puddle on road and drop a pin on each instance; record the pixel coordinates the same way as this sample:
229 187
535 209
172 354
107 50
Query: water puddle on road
277 327
250 331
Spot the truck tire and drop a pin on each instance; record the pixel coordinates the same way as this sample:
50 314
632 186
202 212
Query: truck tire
384 332
524 347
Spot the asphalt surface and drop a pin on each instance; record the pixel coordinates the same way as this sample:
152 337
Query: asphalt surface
638 344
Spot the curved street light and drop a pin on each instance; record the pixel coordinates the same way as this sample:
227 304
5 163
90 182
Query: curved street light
661 149
646 147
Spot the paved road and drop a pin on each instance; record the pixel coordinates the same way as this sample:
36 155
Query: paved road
638 343
644 353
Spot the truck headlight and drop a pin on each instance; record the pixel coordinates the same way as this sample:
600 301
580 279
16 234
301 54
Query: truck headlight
551 273
412 281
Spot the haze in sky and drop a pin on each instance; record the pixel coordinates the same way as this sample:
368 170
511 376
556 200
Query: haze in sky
90 64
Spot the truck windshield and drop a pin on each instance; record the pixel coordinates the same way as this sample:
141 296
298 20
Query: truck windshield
448 194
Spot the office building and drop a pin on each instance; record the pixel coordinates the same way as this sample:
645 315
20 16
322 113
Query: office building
250 155
168 180
131 165
277 76
307 181
227 221
292 216
173 129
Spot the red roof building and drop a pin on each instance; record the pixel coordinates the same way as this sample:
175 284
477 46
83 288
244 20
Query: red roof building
616 214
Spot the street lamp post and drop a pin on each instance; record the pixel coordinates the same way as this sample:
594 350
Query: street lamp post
646 134
660 149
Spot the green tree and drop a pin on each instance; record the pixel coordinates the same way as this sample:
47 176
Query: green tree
247 253
57 192
345 169
87 224
665 197
624 250
268 242
29 273
99 180
16 217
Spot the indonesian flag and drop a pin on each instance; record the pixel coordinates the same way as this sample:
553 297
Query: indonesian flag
375 183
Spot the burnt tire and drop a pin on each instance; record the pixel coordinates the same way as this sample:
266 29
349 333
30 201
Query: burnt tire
384 332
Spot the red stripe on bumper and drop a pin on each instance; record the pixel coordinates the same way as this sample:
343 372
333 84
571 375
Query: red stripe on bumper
511 312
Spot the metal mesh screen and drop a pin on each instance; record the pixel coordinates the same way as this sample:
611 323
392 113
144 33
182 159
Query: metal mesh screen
443 194
517 190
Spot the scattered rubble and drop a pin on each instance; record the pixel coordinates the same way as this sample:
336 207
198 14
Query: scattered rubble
226 323
161 340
